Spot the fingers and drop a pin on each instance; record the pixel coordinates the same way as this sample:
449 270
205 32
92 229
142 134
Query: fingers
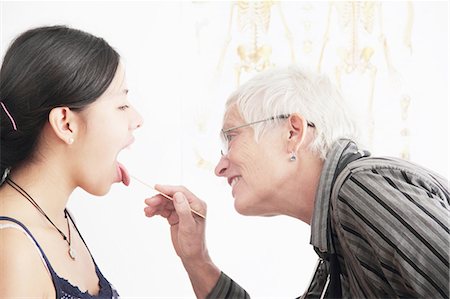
194 202
183 210
173 219
158 205
188 204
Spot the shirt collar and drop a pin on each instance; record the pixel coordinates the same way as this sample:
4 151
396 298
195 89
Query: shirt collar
322 200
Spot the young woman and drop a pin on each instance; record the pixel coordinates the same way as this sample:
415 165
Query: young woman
65 117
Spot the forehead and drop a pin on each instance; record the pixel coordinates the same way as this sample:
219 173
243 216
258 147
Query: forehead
113 93
232 117
116 89
118 82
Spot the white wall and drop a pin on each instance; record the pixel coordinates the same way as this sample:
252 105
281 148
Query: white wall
171 50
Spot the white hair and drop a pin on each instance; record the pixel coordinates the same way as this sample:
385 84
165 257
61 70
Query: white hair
295 90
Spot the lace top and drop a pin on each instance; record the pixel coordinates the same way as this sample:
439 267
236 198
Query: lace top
64 289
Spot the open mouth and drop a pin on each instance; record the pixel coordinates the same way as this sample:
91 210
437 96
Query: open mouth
122 172
233 180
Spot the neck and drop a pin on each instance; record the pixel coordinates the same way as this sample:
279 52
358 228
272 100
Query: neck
46 184
302 188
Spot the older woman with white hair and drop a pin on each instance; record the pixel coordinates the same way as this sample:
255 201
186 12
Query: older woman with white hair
380 226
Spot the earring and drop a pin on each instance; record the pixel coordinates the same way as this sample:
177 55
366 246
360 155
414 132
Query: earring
293 157
70 141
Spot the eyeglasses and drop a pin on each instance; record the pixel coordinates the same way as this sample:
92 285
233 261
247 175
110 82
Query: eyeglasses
227 137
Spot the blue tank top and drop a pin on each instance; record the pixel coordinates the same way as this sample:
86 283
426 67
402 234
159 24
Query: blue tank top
64 289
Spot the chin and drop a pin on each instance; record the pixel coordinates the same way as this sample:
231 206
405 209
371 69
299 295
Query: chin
244 209
98 190
101 193
249 208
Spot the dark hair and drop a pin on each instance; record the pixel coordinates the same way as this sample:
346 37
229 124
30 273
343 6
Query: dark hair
44 68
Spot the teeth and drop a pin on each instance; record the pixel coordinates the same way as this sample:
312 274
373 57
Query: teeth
234 181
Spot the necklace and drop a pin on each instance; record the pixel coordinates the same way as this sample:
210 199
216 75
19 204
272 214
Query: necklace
22 192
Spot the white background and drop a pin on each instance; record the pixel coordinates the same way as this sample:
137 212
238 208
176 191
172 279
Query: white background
171 50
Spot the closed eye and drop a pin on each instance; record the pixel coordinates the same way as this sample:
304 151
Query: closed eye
124 107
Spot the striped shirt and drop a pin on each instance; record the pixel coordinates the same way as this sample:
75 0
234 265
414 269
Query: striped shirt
390 227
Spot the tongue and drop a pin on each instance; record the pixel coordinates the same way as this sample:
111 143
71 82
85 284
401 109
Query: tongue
124 174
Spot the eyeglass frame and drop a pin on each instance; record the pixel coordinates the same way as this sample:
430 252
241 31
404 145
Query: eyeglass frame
281 116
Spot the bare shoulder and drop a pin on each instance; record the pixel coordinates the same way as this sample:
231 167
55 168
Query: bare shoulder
23 271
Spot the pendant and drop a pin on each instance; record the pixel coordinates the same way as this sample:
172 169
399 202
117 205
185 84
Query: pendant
72 253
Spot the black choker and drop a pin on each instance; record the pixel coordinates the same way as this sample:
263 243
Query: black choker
19 189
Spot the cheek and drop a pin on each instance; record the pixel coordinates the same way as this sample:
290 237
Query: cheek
257 161
256 174
244 153
261 166
266 170
96 162
104 134
96 175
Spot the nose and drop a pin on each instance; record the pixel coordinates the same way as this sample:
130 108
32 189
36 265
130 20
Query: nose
137 120
222 166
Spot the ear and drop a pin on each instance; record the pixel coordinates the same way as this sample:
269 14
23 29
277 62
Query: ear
297 126
62 121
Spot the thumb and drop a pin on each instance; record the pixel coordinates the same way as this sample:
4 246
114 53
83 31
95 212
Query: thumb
183 209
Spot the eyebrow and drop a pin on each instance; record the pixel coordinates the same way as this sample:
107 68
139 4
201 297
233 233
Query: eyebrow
229 123
225 125
229 126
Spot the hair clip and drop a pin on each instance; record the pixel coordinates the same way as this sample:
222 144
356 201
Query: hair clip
9 115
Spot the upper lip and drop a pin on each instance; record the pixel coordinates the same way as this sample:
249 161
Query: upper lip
130 141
